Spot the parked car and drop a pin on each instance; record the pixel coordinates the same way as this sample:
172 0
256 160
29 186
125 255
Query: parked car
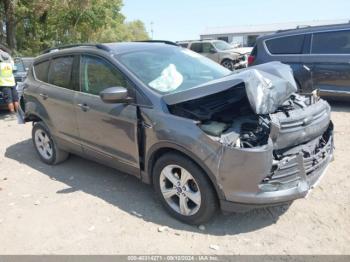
218 51
204 137
319 56
22 65
183 44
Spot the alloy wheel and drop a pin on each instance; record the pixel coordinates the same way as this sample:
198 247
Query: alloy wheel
43 144
180 190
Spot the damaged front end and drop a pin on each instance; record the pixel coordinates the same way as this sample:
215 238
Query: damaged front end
275 144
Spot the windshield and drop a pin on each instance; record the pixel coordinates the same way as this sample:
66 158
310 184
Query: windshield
169 70
222 45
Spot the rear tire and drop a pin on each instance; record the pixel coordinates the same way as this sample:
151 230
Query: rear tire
46 146
184 189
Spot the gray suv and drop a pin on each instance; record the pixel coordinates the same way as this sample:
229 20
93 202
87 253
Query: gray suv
204 137
219 51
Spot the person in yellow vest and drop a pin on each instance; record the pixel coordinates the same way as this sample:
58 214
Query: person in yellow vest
7 81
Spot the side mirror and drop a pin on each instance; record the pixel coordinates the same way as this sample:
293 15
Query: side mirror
115 95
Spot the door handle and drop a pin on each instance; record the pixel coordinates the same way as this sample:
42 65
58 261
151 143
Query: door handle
84 107
44 96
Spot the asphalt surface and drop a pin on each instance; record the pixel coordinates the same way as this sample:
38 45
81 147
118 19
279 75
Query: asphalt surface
80 207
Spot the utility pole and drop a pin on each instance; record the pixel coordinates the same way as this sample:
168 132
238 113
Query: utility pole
152 32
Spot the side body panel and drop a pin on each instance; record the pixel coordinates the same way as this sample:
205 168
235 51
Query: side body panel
108 132
331 74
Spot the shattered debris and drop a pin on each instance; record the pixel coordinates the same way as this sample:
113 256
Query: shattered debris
214 247
163 228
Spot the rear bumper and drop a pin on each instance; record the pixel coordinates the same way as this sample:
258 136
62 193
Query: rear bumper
292 177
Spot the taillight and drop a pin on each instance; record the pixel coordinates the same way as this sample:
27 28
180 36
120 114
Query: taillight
251 60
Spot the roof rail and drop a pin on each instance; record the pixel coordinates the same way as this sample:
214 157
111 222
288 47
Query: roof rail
180 41
99 46
159 41
303 26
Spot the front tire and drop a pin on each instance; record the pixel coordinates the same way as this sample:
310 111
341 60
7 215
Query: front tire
184 189
228 64
45 146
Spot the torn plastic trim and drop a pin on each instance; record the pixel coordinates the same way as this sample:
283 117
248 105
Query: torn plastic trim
303 164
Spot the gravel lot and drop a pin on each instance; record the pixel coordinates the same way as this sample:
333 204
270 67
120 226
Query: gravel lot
81 207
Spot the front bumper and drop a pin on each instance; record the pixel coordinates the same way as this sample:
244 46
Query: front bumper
282 181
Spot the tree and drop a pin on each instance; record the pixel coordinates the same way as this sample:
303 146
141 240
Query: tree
10 22
40 24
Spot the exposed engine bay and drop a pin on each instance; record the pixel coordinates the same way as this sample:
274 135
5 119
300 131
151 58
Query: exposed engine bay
263 106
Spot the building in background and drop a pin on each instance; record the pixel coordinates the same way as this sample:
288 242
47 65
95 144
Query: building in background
246 35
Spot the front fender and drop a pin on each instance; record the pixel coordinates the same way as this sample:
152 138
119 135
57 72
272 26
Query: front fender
169 132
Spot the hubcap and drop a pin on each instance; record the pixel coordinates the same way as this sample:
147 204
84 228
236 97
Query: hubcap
180 190
43 144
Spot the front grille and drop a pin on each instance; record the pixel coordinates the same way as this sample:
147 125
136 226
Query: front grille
19 79
313 163
294 167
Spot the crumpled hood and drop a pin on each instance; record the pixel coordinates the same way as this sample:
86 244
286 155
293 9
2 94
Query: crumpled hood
267 87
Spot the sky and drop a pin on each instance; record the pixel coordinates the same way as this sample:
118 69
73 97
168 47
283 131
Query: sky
185 19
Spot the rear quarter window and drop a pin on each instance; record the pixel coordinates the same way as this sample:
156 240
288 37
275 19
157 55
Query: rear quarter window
286 45
41 71
331 43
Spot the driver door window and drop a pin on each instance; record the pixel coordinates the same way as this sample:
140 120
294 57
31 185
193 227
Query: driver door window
97 75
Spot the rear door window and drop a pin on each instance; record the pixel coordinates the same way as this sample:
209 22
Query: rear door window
197 47
207 47
331 42
60 72
41 71
286 45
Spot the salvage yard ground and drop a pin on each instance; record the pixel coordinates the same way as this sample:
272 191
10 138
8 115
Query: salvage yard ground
81 207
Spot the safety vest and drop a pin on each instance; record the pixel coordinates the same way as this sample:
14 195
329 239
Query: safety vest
6 74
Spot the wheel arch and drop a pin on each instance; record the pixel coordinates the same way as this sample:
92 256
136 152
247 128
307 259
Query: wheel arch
162 148
33 118
35 112
223 59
